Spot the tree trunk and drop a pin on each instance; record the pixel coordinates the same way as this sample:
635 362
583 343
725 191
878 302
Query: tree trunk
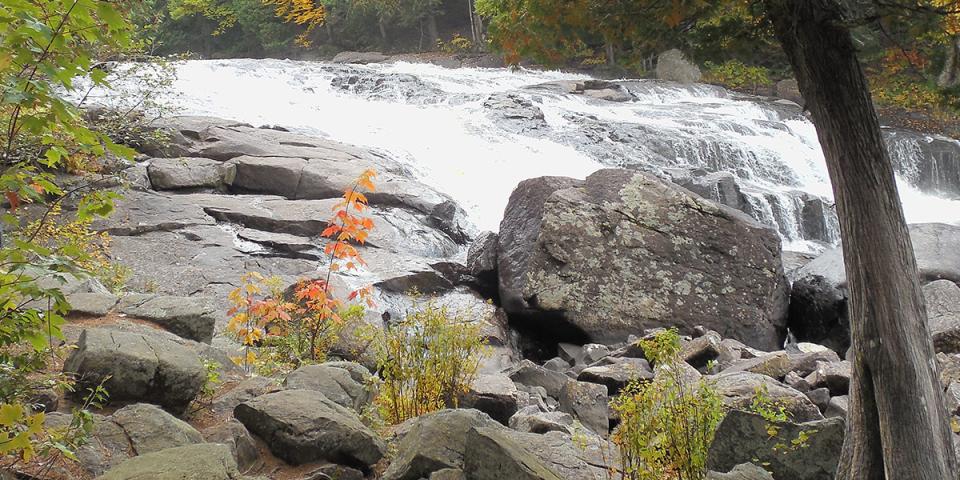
473 23
950 77
897 425
383 31
609 50
432 31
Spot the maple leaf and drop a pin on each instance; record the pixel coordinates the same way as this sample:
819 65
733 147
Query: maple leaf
14 200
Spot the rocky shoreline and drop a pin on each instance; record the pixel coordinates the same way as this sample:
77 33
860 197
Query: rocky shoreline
579 271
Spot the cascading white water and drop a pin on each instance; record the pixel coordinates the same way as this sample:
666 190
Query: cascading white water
434 120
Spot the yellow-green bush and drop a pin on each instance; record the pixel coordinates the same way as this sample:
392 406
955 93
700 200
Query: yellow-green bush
737 75
666 425
457 44
426 361
75 240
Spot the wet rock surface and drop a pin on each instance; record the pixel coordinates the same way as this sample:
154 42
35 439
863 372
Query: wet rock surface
818 304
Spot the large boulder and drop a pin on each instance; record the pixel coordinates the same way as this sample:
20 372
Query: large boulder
744 471
136 429
577 456
137 367
302 426
745 437
943 314
334 382
242 445
672 65
519 231
818 300
206 461
192 318
623 252
588 403
150 429
740 388
493 394
435 441
493 455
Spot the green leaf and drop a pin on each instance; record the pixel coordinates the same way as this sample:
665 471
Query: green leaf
10 414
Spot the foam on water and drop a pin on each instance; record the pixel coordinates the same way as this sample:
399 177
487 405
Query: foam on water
451 144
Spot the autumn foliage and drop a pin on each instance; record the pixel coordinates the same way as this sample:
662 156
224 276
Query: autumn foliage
304 328
301 12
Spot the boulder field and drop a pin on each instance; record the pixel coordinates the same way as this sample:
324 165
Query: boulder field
579 271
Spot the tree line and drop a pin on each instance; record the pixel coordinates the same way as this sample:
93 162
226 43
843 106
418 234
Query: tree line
301 28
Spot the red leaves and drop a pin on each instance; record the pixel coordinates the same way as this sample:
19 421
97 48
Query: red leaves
14 200
348 226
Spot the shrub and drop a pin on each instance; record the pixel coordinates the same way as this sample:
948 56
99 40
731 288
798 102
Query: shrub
289 333
23 434
457 44
775 413
258 304
666 425
45 46
74 239
426 361
736 75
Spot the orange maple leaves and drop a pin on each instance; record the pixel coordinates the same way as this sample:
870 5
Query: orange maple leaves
258 304
348 225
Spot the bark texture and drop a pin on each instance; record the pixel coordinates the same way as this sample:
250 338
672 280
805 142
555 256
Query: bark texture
950 76
898 426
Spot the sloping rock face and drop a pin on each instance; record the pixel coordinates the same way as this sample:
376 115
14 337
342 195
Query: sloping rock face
224 198
623 251
818 303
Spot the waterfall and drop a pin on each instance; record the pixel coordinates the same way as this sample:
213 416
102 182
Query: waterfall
475 133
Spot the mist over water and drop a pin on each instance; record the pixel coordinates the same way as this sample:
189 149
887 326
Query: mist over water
434 120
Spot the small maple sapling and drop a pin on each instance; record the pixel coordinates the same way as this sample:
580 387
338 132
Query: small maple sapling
314 319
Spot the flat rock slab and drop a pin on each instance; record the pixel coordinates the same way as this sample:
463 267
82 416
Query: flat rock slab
186 172
142 212
137 367
96 304
302 426
206 461
192 318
